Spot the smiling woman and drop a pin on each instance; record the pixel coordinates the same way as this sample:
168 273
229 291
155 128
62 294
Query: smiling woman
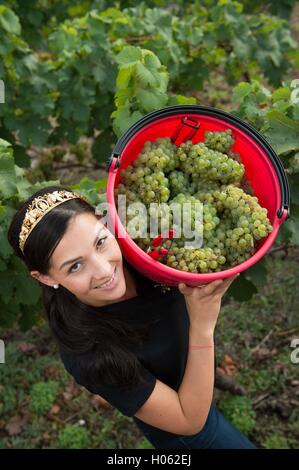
79 265
118 335
88 262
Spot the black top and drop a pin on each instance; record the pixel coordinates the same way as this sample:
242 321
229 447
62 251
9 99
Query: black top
163 354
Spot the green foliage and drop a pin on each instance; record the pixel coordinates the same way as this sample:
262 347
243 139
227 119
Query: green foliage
144 444
276 115
141 87
73 437
60 75
282 8
43 395
72 83
19 293
239 411
106 429
39 17
92 191
191 42
275 441
8 399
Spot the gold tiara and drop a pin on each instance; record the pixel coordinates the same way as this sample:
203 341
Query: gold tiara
40 206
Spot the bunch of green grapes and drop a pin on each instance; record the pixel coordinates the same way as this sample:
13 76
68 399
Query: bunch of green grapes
210 165
217 241
205 191
219 140
179 182
234 155
148 185
203 219
248 223
197 219
136 222
158 155
194 260
246 211
206 175
122 189
144 225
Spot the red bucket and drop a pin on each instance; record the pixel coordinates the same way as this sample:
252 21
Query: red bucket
263 169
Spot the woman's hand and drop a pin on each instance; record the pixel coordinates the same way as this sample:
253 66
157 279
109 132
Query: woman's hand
203 303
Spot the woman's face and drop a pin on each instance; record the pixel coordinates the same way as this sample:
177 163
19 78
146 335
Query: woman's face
85 261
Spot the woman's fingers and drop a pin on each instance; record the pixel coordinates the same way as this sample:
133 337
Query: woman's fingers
226 285
206 289
215 287
211 287
184 289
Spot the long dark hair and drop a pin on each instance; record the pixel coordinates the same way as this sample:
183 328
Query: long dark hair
106 338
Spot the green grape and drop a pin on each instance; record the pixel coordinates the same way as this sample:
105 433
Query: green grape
219 140
148 188
194 260
209 165
158 155
179 182
249 223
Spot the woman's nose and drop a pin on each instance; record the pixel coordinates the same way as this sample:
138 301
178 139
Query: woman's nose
101 268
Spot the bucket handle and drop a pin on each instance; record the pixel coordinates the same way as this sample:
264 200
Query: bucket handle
189 122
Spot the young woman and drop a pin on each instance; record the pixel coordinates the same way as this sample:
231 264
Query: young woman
147 352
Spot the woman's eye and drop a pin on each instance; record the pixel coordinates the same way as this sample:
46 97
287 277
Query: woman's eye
99 243
72 270
100 240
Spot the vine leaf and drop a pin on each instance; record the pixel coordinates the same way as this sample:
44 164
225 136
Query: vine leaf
242 289
283 132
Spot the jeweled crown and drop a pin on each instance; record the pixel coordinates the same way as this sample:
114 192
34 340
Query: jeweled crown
40 206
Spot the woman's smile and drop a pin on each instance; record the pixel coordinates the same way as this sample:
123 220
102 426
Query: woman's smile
110 284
